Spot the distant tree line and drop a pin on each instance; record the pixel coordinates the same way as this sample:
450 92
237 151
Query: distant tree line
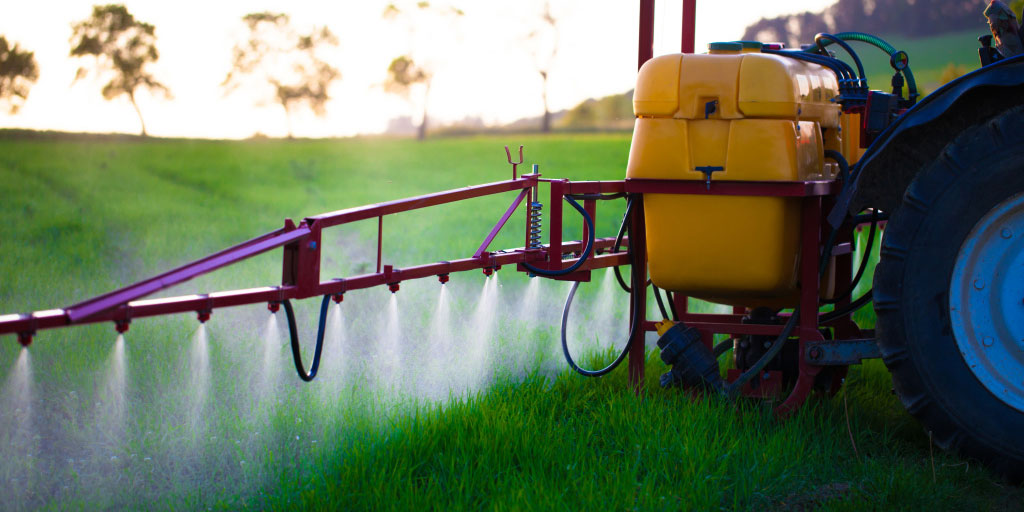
288 65
910 18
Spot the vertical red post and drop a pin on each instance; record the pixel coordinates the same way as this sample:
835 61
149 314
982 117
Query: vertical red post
810 255
689 26
638 240
682 303
590 206
529 217
645 49
302 262
380 237
555 236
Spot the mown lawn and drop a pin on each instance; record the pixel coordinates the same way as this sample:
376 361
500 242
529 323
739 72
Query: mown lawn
215 418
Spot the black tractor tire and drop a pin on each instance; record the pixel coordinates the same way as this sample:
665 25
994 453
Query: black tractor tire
977 171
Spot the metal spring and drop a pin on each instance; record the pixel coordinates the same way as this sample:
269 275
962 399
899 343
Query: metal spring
536 215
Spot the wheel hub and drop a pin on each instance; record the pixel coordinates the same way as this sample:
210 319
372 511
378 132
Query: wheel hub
986 301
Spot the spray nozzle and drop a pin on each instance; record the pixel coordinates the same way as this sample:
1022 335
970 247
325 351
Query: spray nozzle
203 315
273 307
25 338
122 326
393 287
442 278
338 297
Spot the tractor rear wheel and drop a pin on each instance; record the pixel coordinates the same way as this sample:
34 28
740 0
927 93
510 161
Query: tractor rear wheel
949 295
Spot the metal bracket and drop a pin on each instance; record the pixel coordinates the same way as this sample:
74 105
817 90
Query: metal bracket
840 352
515 165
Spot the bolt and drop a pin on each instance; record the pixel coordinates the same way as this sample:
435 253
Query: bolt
1006 233
312 245
815 353
767 376
987 341
979 284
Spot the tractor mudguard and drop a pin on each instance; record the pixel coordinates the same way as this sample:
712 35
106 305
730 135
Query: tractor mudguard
915 138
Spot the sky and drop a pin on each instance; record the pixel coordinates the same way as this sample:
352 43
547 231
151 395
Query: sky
483 63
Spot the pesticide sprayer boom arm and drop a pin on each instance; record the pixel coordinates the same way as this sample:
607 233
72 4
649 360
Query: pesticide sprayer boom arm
301 265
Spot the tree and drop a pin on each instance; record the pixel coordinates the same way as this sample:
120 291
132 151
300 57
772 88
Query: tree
18 71
410 75
405 75
546 39
121 47
286 63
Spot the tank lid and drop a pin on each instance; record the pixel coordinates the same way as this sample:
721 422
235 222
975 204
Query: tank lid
750 45
726 47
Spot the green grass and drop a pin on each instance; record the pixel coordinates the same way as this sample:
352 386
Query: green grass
83 217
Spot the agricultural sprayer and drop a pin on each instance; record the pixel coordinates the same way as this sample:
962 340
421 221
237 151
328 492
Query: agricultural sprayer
750 171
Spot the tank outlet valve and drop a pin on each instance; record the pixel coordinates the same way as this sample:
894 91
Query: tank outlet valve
693 363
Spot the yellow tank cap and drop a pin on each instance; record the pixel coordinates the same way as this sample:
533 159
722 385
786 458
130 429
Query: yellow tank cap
750 46
720 48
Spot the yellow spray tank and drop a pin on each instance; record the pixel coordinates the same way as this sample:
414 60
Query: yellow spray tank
730 115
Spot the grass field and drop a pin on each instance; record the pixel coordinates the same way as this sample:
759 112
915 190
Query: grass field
475 413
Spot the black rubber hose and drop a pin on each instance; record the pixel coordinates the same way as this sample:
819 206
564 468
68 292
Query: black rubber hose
850 308
634 324
597 197
836 65
586 252
844 166
293 332
618 241
722 348
733 389
863 263
672 305
661 304
883 45
856 59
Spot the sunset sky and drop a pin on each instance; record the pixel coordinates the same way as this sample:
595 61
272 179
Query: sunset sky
483 65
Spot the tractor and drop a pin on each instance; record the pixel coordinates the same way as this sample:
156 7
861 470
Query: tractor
751 169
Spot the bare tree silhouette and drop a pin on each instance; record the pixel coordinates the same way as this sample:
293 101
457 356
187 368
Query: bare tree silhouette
18 71
545 39
121 47
411 74
287 64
